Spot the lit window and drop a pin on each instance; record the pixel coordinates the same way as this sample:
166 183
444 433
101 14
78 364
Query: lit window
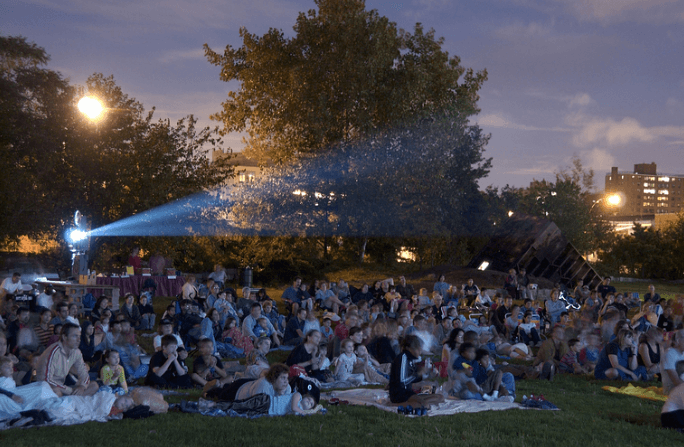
649 191
663 179
242 178
662 199
483 266
645 185
663 191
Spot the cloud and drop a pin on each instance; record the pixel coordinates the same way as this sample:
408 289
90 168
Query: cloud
495 120
581 100
155 15
181 55
620 11
598 159
519 30
611 132
608 131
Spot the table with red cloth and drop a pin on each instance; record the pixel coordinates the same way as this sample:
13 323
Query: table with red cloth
134 284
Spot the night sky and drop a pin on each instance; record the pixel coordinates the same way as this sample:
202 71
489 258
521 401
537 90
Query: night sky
600 79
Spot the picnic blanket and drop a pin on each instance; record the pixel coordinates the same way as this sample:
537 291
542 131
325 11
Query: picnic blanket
650 393
380 399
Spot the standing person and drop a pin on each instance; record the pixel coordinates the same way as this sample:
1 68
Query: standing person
11 285
524 285
219 275
669 364
511 284
134 260
63 358
405 290
651 295
605 288
189 289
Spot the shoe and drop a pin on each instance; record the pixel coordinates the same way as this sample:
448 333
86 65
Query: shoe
487 397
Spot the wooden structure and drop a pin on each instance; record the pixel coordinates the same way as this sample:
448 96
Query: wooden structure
538 246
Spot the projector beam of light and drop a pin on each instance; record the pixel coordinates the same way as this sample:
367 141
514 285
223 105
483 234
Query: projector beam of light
398 183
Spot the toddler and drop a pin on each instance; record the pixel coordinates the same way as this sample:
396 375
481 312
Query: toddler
262 329
326 330
311 323
344 364
112 373
370 366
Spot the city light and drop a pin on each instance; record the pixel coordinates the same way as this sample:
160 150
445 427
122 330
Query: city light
91 107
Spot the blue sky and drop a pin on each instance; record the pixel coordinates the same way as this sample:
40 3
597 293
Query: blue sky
600 79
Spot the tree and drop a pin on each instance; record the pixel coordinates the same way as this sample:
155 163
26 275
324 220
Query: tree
346 74
56 161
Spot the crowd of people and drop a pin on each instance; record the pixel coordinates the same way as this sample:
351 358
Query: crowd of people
336 333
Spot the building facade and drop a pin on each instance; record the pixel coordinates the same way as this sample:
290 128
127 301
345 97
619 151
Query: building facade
645 192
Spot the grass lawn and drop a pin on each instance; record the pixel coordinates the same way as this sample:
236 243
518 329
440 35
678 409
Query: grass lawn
589 416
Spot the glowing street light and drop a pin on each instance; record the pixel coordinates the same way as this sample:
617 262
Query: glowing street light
91 107
613 200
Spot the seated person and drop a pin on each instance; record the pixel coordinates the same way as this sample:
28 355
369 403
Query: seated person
250 323
294 331
166 369
269 311
672 414
207 368
62 359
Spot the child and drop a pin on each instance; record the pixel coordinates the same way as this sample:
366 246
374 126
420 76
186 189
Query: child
344 365
165 328
570 362
311 323
464 385
233 335
302 404
528 331
376 312
369 366
588 356
511 323
257 363
490 379
207 368
262 328
112 374
147 314
167 370
327 330
278 321
364 311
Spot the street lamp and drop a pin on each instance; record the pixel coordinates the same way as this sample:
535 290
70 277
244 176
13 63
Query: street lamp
91 107
611 200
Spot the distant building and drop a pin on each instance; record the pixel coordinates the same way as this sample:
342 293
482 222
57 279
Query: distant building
645 194
246 169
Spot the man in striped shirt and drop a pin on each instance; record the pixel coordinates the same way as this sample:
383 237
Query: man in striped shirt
63 358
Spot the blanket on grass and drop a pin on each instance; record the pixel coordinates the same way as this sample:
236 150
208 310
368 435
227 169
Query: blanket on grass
380 399
650 393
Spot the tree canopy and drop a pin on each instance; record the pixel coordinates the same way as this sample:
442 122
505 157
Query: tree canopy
346 74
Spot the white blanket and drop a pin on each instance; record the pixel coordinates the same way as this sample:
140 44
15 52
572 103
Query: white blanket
380 399
66 410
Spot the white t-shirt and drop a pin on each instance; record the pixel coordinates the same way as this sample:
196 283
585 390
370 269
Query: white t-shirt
45 301
157 341
669 362
11 287
675 400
